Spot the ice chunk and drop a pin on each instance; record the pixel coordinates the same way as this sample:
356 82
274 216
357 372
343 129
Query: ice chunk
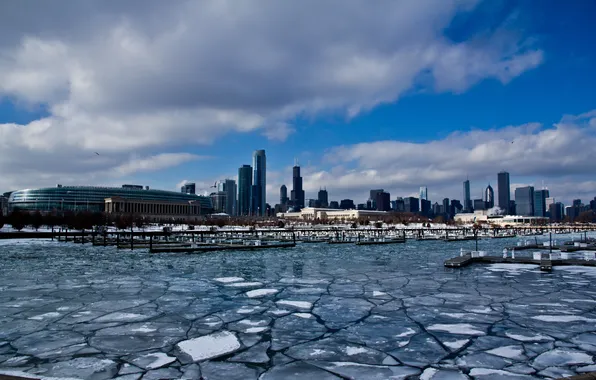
351 370
376 293
563 318
153 361
457 328
296 304
252 284
256 354
227 280
559 357
86 368
258 293
297 371
304 315
442 374
495 374
45 316
455 345
522 337
227 371
511 352
210 346
121 317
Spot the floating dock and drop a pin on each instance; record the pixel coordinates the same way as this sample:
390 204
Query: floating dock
546 263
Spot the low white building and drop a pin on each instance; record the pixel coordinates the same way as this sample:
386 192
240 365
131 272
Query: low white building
312 213
511 220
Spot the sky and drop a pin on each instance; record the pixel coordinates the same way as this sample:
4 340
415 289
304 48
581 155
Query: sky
385 94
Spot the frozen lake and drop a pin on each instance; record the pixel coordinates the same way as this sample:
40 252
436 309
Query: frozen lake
317 311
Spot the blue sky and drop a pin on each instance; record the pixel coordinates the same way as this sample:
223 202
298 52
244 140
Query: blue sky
394 95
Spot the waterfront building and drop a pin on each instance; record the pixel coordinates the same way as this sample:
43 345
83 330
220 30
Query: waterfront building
347 204
312 213
259 182
92 198
244 189
467 198
382 201
297 193
540 208
189 188
323 198
489 197
283 195
411 204
154 211
524 201
504 192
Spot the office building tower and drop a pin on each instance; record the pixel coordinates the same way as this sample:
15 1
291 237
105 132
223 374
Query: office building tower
504 192
593 204
540 208
230 189
323 198
524 201
411 204
399 204
437 209
456 207
372 200
313 203
512 208
446 208
425 207
188 188
218 199
489 197
423 196
467 198
556 211
361 206
479 204
283 195
382 201
259 182
334 205
244 189
347 204
297 194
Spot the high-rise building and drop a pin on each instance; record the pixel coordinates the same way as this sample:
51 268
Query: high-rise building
425 207
297 194
244 189
313 203
456 206
489 197
479 204
556 211
540 207
334 205
323 198
423 196
259 163
399 204
347 204
411 204
372 200
524 201
504 192
383 201
593 204
218 199
188 188
283 195
230 189
437 208
467 198
446 208
512 207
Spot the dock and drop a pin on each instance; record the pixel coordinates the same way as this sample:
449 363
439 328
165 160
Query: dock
545 263
381 242
220 247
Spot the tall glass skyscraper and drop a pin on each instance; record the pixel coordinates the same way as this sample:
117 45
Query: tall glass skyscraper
259 196
244 189
524 201
489 197
297 193
540 206
423 195
503 191
467 198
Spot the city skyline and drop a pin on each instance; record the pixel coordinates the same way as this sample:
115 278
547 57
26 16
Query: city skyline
416 94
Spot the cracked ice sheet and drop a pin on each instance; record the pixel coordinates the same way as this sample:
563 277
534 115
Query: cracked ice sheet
457 328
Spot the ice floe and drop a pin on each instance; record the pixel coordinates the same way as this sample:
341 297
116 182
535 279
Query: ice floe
257 293
210 346
457 328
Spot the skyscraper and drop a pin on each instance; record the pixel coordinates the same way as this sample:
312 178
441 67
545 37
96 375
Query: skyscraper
283 195
540 207
259 181
489 197
229 188
467 198
372 200
323 198
423 196
297 193
504 192
244 189
383 201
524 200
188 188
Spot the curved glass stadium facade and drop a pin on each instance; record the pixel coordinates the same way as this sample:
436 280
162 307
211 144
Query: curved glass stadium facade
88 198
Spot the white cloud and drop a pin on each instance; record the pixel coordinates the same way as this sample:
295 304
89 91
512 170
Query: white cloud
142 77
561 155
154 163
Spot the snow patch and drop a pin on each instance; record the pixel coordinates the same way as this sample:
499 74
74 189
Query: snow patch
378 294
428 374
298 304
563 318
408 332
456 344
510 352
254 330
350 350
532 338
227 280
245 284
40 317
303 315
